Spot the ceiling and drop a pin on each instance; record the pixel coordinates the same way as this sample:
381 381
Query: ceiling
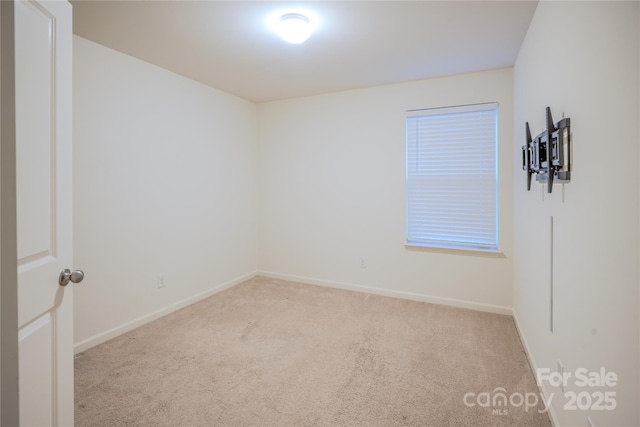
229 45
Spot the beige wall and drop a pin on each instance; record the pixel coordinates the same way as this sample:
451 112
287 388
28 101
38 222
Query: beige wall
164 183
332 189
581 58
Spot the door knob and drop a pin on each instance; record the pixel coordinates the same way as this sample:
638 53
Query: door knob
67 276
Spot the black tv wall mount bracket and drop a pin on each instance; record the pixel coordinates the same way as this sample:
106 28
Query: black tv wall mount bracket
548 155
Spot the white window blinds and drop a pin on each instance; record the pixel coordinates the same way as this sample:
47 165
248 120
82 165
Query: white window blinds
452 177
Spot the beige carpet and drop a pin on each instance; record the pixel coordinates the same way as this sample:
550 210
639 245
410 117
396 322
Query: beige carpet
275 353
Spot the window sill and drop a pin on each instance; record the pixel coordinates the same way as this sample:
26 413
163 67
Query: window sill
455 251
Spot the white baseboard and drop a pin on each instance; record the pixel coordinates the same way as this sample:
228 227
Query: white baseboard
128 326
489 308
534 368
132 324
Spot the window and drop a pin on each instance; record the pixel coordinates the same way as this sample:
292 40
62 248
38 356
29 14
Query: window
452 177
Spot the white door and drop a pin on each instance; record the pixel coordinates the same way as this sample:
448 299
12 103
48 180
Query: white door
43 176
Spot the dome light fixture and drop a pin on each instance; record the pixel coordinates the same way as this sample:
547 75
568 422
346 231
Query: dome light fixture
294 28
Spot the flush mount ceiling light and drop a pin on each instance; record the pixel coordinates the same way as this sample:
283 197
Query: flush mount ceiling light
294 28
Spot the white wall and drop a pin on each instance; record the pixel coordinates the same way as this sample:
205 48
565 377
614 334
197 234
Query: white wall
164 183
332 189
581 58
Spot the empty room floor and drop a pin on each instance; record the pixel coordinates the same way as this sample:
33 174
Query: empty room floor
270 352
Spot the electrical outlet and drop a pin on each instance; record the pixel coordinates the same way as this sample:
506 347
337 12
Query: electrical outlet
561 372
363 262
161 281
